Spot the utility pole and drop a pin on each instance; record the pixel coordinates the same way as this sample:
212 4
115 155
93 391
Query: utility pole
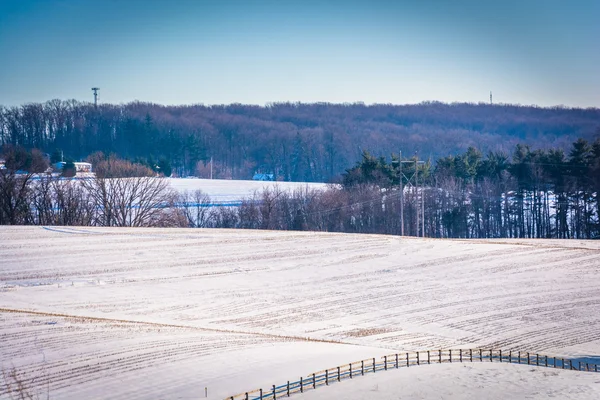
423 210
414 185
95 90
401 198
422 194
416 193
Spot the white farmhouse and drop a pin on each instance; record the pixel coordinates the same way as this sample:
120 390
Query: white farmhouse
79 166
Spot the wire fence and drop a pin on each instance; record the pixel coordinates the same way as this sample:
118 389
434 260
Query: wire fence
404 360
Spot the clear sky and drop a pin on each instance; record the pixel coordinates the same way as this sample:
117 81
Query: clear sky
544 52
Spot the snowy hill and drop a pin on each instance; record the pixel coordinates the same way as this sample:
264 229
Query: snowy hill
164 313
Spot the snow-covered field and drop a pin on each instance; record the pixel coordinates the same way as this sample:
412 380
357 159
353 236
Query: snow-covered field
221 190
465 381
165 313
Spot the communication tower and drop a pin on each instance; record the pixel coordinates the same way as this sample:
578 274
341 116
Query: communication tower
95 90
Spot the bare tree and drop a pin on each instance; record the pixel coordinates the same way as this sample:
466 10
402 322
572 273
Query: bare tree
20 168
196 208
226 217
73 204
127 194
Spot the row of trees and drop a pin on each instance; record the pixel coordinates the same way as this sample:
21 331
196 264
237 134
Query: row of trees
120 193
532 193
529 194
293 141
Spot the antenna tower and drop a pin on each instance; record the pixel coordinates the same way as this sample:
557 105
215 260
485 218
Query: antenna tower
95 90
490 97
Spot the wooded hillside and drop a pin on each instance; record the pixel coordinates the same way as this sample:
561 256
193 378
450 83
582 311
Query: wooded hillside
298 142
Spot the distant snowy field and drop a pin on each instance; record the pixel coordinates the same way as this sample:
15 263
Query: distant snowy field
221 190
165 313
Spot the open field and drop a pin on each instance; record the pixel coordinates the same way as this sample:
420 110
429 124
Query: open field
164 313
224 190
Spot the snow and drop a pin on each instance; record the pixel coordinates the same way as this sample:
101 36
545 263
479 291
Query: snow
221 190
464 381
163 313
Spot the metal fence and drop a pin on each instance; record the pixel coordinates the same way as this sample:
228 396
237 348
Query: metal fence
405 360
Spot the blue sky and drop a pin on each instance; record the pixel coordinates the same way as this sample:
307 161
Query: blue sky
214 52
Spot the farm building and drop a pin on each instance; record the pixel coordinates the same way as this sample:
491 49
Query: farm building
79 166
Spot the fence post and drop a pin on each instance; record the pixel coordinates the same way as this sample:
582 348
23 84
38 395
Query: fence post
596 367
450 355
396 360
440 352
373 364
491 356
428 357
261 398
327 377
314 382
471 355
563 363
339 375
519 357
481 355
362 367
350 370
246 397
301 386
274 394
528 363
418 361
407 360
537 359
385 362
500 355
460 354
288 389
546 360
510 356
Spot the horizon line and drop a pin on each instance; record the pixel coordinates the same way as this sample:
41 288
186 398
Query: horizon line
291 102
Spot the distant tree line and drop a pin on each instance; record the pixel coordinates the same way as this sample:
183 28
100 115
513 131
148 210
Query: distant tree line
292 141
528 194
